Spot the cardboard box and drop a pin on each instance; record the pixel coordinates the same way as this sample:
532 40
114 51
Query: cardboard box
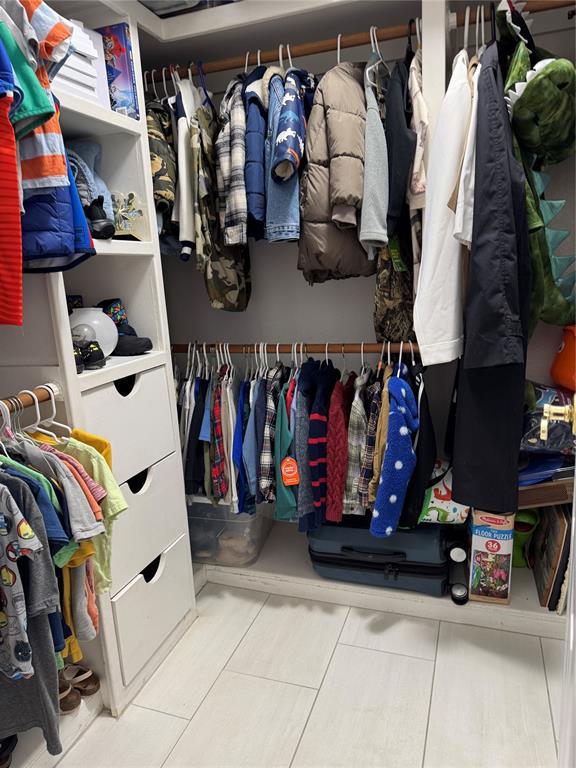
491 557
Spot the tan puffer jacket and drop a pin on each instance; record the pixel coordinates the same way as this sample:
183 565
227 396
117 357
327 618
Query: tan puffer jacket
332 182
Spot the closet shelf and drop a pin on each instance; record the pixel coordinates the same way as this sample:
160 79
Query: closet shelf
284 568
546 494
80 118
118 367
124 248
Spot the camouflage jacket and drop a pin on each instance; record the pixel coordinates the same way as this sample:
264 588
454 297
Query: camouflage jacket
162 156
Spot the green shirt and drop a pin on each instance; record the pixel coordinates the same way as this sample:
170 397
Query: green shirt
35 107
285 498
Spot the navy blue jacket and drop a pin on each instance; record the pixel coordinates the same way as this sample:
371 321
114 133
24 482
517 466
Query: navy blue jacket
256 120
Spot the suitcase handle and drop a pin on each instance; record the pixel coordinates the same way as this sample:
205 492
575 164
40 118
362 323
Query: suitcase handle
373 557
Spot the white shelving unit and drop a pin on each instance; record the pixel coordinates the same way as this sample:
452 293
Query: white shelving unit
131 401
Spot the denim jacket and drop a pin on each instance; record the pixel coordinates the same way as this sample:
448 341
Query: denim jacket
282 197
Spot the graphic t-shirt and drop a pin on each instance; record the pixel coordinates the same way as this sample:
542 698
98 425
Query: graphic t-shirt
17 540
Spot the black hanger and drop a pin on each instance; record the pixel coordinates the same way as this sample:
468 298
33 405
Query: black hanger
409 55
493 21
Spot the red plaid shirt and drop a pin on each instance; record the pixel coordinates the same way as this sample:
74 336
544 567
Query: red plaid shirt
218 469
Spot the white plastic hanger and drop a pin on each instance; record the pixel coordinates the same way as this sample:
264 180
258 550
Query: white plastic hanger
466 27
164 69
6 428
289 55
326 353
412 353
246 62
153 83
35 426
419 31
146 73
175 76
389 356
362 363
400 360
50 420
258 57
280 57
338 39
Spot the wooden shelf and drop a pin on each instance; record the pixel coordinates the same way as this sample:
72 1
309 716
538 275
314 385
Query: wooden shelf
546 494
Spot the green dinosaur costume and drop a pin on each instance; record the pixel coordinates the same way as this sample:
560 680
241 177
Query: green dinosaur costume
541 100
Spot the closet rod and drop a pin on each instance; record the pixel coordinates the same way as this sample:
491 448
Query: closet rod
346 41
27 401
286 349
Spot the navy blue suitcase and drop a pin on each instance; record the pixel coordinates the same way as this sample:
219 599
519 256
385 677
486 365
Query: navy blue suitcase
416 560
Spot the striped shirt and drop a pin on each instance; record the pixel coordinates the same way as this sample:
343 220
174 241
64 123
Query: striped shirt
10 227
42 155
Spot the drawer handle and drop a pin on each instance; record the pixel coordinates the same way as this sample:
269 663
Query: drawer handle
153 570
137 482
125 385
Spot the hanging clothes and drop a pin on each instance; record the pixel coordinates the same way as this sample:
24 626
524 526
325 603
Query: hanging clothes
253 95
333 180
373 220
286 507
490 396
337 447
357 427
438 315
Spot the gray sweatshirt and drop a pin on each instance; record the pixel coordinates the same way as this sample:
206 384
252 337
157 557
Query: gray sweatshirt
373 229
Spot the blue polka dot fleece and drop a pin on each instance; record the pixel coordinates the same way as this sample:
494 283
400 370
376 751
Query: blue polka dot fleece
399 459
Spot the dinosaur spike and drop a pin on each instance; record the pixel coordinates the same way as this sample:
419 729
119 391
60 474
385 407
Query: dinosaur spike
550 209
555 237
541 180
561 266
566 286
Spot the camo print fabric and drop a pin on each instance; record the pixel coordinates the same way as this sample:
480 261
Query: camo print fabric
162 156
393 302
226 268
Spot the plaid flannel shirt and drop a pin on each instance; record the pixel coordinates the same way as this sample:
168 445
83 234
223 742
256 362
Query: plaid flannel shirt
367 461
218 469
356 437
267 480
230 160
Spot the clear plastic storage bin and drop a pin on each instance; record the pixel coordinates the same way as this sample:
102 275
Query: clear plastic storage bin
221 537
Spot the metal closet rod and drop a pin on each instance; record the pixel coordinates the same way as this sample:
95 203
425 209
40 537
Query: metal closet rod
347 41
285 349
26 401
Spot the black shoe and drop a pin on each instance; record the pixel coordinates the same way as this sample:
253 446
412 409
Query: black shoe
129 343
78 359
101 227
92 355
7 746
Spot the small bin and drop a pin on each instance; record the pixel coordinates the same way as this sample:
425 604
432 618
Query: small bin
219 536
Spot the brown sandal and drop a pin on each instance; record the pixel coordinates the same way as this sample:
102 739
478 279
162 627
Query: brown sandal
82 679
68 698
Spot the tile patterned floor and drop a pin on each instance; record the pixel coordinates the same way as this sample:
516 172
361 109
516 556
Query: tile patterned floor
262 681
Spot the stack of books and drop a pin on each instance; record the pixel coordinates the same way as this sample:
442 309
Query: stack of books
84 71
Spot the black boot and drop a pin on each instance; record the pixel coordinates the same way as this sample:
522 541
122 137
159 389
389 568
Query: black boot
101 227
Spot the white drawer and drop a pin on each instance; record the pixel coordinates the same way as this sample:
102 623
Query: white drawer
133 413
146 612
156 516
